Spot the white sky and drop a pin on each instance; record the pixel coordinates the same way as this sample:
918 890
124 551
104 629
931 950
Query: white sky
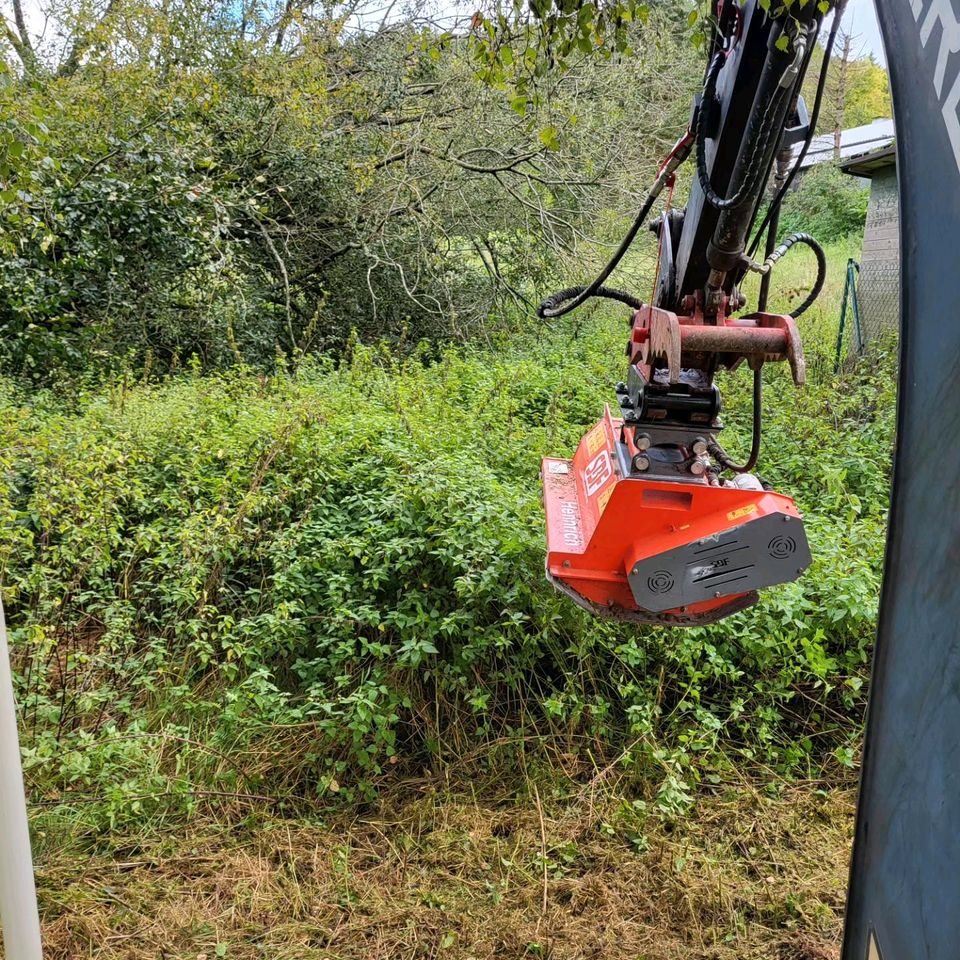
861 21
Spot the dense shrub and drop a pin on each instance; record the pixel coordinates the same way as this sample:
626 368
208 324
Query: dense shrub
827 203
247 201
299 584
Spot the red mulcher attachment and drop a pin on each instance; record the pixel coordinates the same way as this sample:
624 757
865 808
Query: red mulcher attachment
639 524
652 520
661 551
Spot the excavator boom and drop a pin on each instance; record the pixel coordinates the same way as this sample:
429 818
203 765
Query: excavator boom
651 520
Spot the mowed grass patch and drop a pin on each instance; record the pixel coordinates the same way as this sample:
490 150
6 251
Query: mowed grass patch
560 873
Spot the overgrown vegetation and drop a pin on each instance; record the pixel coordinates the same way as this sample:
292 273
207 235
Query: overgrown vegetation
234 199
827 203
305 584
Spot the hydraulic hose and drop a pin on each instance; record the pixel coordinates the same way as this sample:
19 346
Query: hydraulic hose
571 293
814 117
566 301
794 238
755 168
720 455
764 294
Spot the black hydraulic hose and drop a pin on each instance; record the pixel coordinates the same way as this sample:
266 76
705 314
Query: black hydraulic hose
568 300
571 293
764 294
565 301
754 171
814 117
720 455
783 249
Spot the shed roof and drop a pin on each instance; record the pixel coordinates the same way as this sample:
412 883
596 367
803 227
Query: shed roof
853 142
867 164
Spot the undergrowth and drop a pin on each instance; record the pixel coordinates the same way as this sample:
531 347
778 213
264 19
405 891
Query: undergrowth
294 589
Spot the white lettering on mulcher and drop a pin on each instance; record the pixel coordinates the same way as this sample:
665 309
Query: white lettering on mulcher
570 523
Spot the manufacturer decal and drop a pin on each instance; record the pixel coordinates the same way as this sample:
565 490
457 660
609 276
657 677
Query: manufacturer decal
597 472
742 512
570 524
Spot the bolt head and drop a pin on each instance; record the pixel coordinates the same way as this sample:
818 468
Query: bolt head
641 462
642 441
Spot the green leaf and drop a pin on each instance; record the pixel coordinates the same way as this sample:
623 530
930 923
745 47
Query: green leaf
549 137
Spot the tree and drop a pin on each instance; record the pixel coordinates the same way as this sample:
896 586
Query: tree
840 90
868 93
857 89
205 190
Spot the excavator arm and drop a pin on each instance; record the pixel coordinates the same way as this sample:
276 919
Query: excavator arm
651 520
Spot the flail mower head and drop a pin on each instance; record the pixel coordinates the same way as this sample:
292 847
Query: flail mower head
640 525
661 551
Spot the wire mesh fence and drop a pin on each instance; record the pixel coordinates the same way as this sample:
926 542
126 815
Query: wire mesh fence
872 291
879 296
870 309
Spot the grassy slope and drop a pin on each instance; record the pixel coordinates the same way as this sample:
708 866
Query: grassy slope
562 866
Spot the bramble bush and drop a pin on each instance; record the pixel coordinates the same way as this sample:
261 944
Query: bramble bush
298 586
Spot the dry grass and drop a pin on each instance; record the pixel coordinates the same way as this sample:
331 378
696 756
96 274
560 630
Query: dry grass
433 874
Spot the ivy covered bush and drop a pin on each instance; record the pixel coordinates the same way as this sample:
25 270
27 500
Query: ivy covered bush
302 585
